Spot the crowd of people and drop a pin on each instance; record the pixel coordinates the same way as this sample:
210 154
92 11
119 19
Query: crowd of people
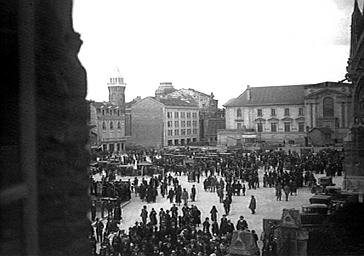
227 175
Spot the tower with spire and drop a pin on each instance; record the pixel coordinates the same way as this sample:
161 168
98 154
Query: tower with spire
116 87
357 26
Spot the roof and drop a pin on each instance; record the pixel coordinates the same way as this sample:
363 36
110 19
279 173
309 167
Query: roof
175 102
269 95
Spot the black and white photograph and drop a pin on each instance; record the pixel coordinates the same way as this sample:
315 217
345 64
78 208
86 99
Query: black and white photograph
182 128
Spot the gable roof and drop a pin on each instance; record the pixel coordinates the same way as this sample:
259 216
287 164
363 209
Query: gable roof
269 95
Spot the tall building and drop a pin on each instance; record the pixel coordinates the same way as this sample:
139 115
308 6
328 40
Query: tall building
354 142
107 119
159 122
211 118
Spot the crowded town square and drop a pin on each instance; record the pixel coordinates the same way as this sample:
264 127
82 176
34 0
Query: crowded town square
178 182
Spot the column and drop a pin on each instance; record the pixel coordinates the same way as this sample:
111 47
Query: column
311 116
343 114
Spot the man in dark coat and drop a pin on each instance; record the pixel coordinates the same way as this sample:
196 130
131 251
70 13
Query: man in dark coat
193 193
252 204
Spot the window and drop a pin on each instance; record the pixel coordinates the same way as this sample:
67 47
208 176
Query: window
183 123
119 125
176 114
176 142
183 114
110 112
238 112
170 132
194 140
194 115
188 114
176 132
188 140
183 131
260 127
287 126
188 131
194 123
273 127
301 126
118 112
286 111
103 125
169 124
260 112
103 112
273 112
300 112
169 114
328 107
188 123
238 125
111 125
176 123
170 143
194 131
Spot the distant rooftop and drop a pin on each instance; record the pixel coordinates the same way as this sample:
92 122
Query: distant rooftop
175 102
269 95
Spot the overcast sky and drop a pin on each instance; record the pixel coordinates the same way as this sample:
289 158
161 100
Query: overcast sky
217 46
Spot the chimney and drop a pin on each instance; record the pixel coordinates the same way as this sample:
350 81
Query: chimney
248 93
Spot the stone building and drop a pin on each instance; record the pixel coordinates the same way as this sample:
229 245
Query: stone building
354 142
159 122
328 108
274 114
314 114
108 118
211 118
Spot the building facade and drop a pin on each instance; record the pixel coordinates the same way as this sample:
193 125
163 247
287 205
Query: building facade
328 108
275 114
107 119
316 114
160 122
211 118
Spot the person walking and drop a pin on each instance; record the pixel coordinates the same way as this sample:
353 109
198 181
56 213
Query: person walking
93 211
144 214
252 204
153 217
99 230
286 191
206 226
185 196
171 195
227 203
193 193
213 213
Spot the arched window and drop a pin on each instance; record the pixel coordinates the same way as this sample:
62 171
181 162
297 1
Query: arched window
103 125
119 125
238 112
328 107
111 125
